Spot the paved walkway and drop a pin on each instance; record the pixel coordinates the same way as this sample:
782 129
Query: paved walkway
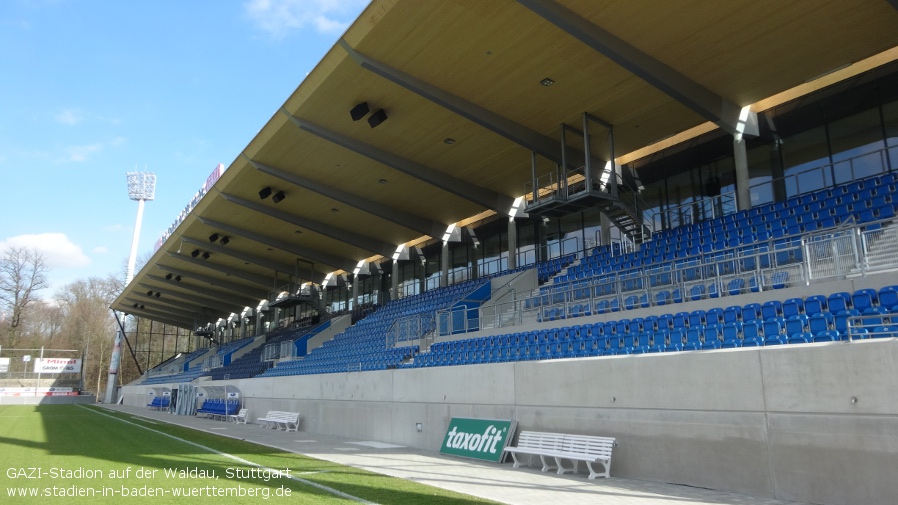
502 483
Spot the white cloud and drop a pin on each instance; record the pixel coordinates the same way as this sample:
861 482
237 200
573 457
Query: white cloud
100 250
278 17
57 249
70 117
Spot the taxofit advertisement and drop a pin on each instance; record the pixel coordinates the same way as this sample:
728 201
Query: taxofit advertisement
482 439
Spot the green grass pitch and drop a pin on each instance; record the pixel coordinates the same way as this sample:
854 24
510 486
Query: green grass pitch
75 454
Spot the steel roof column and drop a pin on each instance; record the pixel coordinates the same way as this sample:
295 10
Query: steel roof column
512 244
444 265
605 224
394 281
740 156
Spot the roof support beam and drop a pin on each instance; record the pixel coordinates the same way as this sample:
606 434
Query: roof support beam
471 192
303 252
353 239
713 107
405 219
159 307
233 272
161 317
545 146
212 301
251 258
143 299
229 286
218 300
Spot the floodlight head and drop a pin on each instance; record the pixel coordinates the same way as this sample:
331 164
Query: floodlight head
141 185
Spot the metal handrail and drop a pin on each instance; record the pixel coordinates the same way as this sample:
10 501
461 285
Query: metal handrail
717 269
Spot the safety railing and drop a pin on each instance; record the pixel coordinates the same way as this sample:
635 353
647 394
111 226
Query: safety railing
410 330
779 263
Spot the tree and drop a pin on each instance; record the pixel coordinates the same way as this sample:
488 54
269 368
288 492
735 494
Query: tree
22 274
88 323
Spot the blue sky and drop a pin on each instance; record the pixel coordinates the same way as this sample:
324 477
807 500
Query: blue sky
93 89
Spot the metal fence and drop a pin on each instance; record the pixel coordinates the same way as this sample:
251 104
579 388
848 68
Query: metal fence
790 261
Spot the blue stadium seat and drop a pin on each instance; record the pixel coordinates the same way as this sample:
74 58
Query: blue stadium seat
826 336
841 322
800 338
711 337
884 331
774 331
838 302
797 323
888 298
793 307
697 317
751 312
815 304
732 314
863 299
694 338
820 322
675 339
771 309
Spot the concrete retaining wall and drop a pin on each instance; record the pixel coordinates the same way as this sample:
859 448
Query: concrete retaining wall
813 422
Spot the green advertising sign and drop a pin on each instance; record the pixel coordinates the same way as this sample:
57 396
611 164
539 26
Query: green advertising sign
482 439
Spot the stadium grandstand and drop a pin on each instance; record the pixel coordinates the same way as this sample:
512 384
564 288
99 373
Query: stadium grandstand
668 223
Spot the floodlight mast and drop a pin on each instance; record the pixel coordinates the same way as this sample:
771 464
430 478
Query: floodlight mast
141 187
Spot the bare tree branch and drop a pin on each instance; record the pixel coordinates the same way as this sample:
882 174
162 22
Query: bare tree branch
22 274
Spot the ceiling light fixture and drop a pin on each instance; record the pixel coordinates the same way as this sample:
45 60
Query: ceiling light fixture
449 141
382 181
547 82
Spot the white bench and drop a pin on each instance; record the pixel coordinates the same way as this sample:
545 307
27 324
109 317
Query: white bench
239 417
275 419
560 447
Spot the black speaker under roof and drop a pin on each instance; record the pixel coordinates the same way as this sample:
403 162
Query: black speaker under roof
377 118
264 192
359 111
278 197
